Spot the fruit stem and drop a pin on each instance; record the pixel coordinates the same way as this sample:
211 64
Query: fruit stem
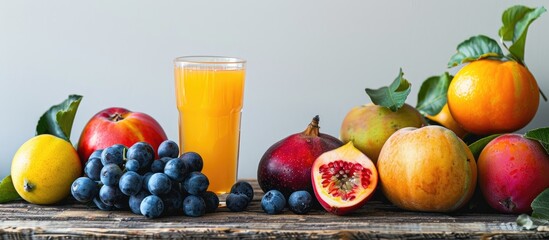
312 128
116 117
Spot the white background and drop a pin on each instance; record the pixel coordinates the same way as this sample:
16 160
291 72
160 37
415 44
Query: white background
304 58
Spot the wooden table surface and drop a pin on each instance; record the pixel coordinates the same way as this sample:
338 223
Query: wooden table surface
376 220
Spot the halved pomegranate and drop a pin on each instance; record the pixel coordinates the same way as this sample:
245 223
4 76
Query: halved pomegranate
344 179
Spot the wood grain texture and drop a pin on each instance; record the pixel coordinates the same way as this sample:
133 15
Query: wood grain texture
376 220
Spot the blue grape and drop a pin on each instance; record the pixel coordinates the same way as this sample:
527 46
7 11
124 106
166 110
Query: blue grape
273 202
194 206
159 184
158 166
168 148
243 187
173 202
300 202
193 160
196 183
110 195
110 174
102 206
114 154
143 153
176 169
211 200
151 206
135 201
84 189
93 169
96 154
130 183
146 179
237 202
132 165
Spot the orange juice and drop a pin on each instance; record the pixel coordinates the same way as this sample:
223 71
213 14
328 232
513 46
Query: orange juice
209 99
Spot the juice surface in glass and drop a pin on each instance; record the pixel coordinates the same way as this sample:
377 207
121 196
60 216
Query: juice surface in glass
209 100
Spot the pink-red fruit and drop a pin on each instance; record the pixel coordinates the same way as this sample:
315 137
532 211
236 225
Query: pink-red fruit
118 126
513 170
344 179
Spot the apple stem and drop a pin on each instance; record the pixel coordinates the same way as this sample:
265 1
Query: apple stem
117 117
313 128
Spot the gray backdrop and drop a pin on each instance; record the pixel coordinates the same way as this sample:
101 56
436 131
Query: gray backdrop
304 58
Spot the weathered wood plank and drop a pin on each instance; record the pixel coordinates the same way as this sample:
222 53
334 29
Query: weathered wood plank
377 220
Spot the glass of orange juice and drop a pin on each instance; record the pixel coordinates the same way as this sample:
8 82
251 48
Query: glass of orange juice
209 93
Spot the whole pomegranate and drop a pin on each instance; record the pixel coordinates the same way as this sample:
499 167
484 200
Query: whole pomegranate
286 165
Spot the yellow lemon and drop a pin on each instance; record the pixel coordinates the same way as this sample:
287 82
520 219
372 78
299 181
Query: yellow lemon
44 168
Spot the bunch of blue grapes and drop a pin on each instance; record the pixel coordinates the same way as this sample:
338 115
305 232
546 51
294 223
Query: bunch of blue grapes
120 178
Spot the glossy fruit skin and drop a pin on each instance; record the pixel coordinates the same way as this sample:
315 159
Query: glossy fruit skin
513 170
49 164
444 118
365 186
119 126
369 126
427 169
491 96
273 202
286 165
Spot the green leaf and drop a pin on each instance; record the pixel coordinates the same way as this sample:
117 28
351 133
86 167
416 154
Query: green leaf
541 135
475 48
432 95
7 191
393 96
516 21
540 205
477 147
540 213
59 118
530 223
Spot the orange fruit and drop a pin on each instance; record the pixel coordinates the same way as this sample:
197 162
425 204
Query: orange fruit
43 169
492 96
444 118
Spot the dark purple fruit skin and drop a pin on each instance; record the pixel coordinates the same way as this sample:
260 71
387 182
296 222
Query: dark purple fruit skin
286 165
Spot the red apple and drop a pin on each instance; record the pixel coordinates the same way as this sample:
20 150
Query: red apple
118 126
